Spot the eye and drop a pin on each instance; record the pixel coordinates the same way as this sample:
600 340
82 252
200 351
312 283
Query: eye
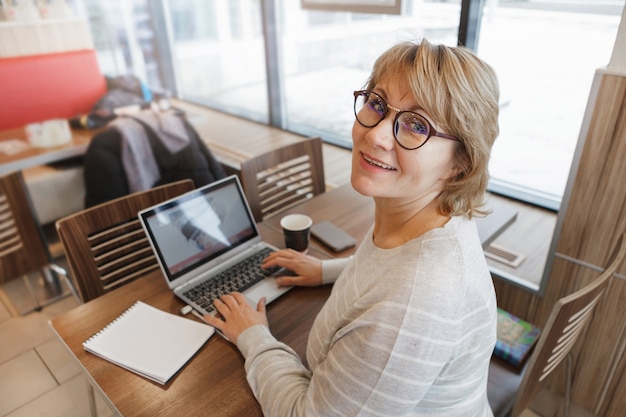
376 104
415 123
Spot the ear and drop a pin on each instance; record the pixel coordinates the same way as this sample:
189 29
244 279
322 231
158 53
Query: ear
458 172
460 165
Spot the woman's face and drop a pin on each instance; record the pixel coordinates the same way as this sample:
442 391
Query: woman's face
382 168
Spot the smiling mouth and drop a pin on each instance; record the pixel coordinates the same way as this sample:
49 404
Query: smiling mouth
378 164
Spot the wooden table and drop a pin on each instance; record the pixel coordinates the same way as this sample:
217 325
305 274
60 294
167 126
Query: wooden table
214 379
355 214
32 156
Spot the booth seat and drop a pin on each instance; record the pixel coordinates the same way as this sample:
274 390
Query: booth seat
35 88
41 87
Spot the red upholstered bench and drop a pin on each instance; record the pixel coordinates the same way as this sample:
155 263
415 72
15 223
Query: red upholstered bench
35 88
40 87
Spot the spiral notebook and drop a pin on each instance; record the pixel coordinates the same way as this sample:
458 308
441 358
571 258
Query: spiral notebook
149 341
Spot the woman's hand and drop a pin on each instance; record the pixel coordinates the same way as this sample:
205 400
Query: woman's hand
307 269
237 315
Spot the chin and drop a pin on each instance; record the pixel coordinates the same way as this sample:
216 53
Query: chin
363 185
369 180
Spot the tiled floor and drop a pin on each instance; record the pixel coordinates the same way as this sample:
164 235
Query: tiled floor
37 375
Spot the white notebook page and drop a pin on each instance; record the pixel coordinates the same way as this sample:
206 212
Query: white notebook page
149 341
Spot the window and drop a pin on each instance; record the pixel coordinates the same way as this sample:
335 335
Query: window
545 54
540 49
219 56
110 36
193 20
325 56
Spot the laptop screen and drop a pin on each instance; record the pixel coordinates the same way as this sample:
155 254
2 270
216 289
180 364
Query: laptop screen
199 226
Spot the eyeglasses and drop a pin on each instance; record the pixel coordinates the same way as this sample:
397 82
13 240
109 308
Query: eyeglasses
411 130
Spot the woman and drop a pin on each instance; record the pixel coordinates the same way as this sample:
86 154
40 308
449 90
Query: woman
411 322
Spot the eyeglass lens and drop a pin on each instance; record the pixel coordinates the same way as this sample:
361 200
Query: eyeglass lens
410 129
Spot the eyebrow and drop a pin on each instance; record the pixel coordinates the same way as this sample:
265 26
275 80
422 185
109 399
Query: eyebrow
415 108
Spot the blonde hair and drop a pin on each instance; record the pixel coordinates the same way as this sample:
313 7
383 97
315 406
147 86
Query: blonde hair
461 93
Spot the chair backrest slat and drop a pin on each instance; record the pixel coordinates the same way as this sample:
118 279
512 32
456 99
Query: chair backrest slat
284 177
116 283
106 246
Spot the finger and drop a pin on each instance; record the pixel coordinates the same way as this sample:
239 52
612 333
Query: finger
228 300
272 255
221 309
241 299
214 321
273 261
260 306
283 262
282 254
289 281
288 254
276 254
303 281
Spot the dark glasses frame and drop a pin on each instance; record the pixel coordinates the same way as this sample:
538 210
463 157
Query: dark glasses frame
431 130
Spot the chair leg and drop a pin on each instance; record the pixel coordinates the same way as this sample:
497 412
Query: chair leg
52 291
568 385
29 287
62 272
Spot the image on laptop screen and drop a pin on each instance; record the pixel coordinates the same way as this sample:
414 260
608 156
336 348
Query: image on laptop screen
199 226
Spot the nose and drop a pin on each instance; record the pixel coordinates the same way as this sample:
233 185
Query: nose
381 135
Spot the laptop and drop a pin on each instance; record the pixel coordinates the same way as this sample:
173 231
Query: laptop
207 244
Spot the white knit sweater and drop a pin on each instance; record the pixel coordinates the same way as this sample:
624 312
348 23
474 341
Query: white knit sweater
407 331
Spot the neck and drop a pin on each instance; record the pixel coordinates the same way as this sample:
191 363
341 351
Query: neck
399 222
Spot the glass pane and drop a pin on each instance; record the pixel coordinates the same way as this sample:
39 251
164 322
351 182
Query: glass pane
545 54
124 38
219 57
327 55
110 40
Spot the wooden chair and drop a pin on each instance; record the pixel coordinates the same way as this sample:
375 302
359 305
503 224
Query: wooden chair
284 177
23 248
565 324
105 245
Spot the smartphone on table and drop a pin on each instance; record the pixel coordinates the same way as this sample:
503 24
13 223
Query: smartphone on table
332 236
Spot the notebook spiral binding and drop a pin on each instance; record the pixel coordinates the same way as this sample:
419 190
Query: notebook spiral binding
118 318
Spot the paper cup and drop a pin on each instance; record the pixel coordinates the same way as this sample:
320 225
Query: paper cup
296 228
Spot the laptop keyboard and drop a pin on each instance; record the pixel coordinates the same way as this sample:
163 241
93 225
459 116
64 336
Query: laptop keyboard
238 277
